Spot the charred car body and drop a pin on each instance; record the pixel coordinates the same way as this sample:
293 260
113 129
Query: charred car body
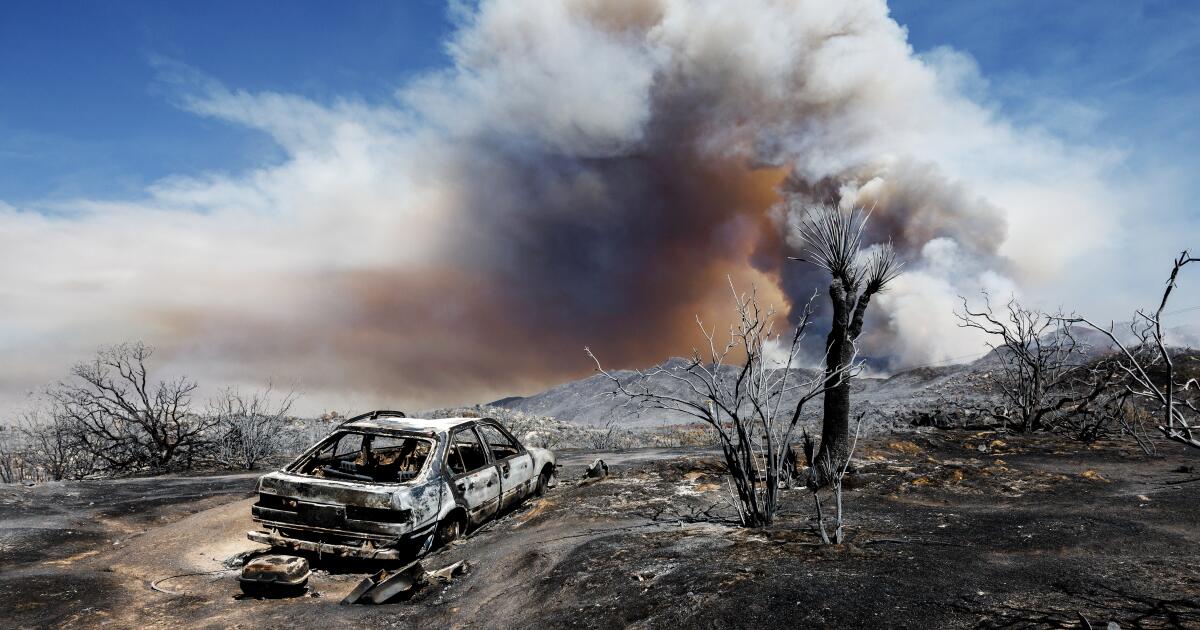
383 485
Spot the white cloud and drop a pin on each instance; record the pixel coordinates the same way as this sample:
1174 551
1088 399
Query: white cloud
578 175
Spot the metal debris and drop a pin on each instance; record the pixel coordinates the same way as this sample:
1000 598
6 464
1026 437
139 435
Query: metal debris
597 470
362 587
384 586
450 571
275 575
392 584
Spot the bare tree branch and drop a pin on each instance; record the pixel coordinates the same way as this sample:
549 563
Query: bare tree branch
1039 356
741 400
250 426
122 419
1180 419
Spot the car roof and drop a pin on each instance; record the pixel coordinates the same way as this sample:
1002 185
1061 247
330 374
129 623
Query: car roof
416 425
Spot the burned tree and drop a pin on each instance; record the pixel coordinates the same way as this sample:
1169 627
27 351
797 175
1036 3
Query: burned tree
732 389
53 445
834 243
123 419
1040 360
1150 371
250 426
13 459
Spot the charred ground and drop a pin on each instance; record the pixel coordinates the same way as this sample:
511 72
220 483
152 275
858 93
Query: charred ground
947 529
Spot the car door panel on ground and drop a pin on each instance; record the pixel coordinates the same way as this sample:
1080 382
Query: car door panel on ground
514 463
476 478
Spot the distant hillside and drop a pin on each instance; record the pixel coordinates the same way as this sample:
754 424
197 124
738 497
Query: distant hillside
590 401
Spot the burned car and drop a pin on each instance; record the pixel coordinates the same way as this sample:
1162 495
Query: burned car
385 486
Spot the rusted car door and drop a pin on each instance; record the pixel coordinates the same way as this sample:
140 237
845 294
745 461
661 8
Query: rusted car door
514 463
475 477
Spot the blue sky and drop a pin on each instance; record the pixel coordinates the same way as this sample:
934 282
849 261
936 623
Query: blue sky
1117 72
81 112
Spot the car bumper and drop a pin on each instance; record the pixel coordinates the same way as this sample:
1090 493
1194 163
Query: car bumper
367 550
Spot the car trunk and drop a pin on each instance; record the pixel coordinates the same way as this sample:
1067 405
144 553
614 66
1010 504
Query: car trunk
331 491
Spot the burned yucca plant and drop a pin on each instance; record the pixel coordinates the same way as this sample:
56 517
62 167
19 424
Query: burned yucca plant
833 241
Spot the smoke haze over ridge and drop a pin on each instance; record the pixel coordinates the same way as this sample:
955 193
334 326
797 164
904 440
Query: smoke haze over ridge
584 173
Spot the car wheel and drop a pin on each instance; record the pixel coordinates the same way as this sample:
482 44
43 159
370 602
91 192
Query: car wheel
542 483
450 529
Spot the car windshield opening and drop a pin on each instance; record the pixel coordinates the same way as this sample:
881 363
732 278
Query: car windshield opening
368 457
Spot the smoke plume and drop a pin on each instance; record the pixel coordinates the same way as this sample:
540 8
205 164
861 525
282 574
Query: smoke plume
584 172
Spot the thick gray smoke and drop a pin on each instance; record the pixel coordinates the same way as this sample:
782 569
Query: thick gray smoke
587 172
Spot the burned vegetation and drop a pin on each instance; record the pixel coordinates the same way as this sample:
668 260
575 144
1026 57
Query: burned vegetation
943 533
732 386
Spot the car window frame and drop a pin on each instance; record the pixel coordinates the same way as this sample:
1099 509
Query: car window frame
362 438
505 431
496 425
490 461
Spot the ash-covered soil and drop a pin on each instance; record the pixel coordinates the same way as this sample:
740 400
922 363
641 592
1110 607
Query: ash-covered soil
947 529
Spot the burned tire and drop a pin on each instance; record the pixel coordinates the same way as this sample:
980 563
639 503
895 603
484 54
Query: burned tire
542 483
451 529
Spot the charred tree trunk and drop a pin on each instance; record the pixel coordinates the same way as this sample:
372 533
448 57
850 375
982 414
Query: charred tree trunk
849 306
835 424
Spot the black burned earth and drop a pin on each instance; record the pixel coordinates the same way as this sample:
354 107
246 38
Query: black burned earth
947 529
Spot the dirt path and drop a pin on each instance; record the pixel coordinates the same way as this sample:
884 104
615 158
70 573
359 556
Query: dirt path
1030 533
